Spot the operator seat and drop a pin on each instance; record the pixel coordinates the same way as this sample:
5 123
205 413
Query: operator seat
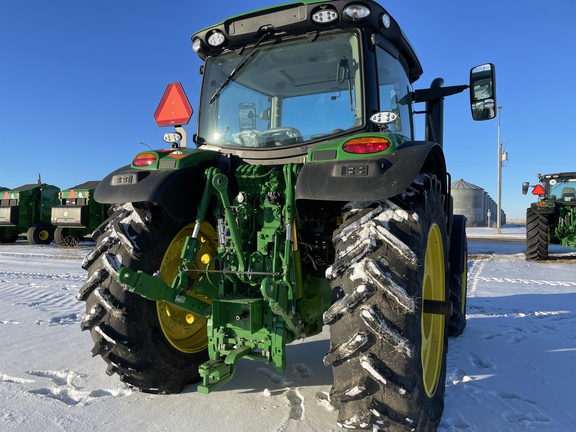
568 194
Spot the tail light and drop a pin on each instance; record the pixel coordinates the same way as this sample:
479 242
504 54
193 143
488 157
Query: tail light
367 145
144 159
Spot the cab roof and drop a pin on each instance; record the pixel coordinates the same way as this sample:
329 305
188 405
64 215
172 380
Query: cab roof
295 18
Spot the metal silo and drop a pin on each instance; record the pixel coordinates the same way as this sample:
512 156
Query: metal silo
470 201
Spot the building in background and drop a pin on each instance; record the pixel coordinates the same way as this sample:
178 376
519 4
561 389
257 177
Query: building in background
473 202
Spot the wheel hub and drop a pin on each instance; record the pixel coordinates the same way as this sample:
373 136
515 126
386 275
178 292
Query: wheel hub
185 331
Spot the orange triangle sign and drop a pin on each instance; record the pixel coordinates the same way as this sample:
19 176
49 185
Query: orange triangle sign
538 190
174 109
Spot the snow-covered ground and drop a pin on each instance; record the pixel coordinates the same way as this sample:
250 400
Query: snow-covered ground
511 370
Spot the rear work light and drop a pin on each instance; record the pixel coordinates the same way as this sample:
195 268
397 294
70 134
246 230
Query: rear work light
367 145
357 11
324 16
216 38
144 159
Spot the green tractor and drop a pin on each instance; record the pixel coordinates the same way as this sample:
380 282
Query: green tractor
26 209
552 219
305 202
78 215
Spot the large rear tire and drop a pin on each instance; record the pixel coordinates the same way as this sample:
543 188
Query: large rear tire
151 345
388 355
536 236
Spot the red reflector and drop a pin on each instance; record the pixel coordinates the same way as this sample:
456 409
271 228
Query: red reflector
144 159
538 190
366 145
174 108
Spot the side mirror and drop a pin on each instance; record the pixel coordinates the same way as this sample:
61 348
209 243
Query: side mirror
483 92
525 186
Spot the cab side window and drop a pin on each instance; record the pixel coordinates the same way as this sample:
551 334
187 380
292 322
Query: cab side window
394 92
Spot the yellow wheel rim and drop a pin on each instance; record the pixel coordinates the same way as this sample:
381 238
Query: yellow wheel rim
43 235
185 331
433 288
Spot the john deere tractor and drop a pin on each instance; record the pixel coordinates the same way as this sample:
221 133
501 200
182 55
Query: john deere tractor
551 219
305 202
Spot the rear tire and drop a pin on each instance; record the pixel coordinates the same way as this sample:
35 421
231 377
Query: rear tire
388 356
7 236
135 336
40 234
536 236
458 278
63 237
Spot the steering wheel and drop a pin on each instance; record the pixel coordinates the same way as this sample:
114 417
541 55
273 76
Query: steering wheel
282 134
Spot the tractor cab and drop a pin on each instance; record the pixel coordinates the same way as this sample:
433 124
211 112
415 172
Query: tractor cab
271 82
560 188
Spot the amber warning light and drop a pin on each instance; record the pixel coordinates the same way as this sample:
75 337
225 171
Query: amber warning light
174 109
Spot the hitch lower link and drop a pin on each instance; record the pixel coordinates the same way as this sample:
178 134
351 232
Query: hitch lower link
214 373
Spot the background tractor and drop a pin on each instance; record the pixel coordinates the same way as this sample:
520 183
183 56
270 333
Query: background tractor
305 202
26 209
552 219
78 215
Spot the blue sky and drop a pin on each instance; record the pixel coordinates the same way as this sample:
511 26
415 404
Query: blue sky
80 81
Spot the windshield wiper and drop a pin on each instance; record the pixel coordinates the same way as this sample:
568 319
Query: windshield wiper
233 74
240 65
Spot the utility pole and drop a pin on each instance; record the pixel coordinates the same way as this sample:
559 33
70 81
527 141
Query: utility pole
499 211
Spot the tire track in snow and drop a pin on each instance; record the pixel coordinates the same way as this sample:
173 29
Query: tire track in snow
473 278
28 255
477 266
68 254
42 276
524 281
54 293
63 307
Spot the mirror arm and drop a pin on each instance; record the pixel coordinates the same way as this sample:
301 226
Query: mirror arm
427 95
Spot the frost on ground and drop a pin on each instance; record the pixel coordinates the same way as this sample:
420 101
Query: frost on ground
511 370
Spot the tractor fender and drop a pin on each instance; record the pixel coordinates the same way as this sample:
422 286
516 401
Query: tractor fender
369 179
545 210
177 191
